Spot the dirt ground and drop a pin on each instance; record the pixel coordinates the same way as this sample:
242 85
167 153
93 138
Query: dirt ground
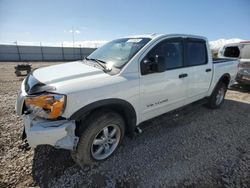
196 147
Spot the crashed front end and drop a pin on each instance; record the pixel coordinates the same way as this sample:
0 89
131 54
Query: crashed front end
41 108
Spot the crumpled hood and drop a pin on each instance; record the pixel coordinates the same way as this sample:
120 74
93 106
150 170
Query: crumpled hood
65 71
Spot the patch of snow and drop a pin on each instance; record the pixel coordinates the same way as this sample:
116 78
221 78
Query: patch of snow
217 44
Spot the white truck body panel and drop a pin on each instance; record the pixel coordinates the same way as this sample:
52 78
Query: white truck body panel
150 95
220 69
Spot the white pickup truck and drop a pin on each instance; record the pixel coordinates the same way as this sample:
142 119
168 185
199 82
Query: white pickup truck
88 106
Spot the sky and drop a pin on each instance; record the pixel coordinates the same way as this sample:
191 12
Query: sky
51 21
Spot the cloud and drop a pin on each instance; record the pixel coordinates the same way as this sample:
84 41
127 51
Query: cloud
71 31
77 31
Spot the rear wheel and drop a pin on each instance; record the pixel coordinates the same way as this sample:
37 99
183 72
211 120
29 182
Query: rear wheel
218 95
104 132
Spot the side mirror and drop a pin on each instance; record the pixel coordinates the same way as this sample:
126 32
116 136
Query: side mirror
146 65
157 64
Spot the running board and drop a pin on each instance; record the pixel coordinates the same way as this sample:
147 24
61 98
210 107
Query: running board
186 109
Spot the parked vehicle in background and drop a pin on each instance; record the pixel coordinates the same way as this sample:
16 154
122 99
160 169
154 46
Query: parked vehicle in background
239 51
26 68
88 106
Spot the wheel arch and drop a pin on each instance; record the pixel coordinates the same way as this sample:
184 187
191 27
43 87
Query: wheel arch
124 108
225 78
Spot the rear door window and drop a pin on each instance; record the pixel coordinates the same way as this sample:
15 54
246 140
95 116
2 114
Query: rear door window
196 52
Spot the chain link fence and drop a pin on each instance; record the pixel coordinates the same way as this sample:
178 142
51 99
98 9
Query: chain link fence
42 53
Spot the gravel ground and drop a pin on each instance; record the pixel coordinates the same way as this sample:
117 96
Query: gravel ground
196 147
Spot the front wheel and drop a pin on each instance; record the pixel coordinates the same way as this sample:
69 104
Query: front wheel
218 95
103 135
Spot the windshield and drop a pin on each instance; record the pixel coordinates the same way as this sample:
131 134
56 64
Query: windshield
118 52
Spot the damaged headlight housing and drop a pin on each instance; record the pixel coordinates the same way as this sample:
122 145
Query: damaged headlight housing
49 105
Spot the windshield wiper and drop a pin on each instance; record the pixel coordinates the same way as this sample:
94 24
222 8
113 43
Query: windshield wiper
99 62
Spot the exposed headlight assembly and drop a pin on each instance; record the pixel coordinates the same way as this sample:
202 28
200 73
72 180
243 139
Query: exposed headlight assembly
49 105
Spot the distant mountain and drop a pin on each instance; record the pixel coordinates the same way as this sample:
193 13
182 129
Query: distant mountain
217 44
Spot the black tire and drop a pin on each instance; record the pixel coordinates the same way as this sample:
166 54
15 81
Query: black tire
212 102
95 123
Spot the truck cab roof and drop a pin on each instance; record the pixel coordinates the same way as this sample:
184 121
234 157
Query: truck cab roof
160 35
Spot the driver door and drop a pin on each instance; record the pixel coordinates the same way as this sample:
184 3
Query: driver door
164 90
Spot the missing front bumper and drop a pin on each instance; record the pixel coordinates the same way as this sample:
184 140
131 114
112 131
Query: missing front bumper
60 134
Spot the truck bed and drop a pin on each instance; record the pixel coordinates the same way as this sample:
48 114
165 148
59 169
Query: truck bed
221 67
222 60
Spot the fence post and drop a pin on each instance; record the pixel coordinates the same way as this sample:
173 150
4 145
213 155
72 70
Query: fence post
62 52
18 51
41 51
80 51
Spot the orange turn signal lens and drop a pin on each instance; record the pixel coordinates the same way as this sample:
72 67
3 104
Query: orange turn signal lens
49 106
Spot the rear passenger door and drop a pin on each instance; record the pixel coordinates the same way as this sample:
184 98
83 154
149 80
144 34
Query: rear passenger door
200 69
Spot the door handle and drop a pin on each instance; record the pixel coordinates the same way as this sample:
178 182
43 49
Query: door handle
208 70
183 75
